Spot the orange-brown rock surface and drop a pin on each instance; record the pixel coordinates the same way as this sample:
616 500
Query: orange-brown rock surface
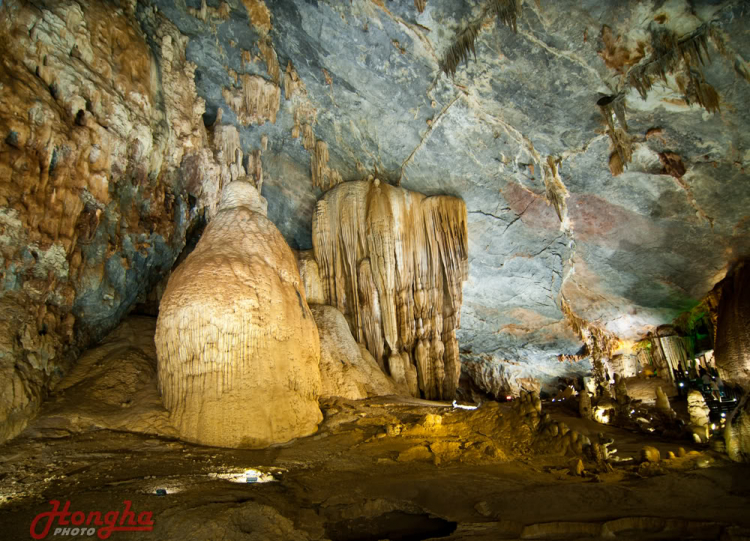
102 139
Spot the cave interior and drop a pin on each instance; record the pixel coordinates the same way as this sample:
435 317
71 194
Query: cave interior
356 270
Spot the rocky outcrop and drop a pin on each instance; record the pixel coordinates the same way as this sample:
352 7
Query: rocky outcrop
346 370
394 263
737 432
91 207
235 334
733 331
112 386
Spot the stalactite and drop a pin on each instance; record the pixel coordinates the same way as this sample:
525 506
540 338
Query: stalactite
371 324
256 102
394 263
612 109
255 169
269 56
506 11
600 343
670 54
323 176
557 193
674 353
293 85
461 47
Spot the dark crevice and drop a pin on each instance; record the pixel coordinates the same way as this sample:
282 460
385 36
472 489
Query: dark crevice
394 525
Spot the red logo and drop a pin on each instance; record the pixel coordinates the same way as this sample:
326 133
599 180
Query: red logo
80 523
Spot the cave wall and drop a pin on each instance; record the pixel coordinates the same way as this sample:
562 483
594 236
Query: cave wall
733 328
303 94
103 142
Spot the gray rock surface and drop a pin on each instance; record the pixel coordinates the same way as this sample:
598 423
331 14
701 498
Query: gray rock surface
639 248
635 250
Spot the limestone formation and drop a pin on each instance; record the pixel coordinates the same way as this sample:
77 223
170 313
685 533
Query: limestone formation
584 405
394 262
235 334
662 402
737 432
308 271
699 413
93 128
346 370
621 390
733 331
255 101
650 454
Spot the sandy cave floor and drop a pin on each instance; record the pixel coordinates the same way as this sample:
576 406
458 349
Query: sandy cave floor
353 481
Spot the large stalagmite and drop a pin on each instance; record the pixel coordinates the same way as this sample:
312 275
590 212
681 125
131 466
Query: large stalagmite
238 347
394 262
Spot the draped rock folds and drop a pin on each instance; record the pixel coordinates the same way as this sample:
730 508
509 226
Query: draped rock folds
237 345
394 262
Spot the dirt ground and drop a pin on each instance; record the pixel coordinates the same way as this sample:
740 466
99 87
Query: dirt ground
383 468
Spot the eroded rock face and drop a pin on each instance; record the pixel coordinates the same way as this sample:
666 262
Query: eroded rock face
737 432
91 212
346 370
394 263
112 386
733 329
237 344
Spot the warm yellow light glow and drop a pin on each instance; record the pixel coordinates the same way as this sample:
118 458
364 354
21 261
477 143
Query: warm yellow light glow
250 475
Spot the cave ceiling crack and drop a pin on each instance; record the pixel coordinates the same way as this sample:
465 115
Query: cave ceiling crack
414 28
685 187
488 214
570 57
435 122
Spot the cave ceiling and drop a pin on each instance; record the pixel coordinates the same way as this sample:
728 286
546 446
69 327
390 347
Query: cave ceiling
514 129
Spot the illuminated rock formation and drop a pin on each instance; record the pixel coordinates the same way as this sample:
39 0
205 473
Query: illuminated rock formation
733 331
394 263
584 405
662 402
237 344
346 370
699 416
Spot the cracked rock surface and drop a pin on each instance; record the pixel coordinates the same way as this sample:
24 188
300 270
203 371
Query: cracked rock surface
306 93
634 251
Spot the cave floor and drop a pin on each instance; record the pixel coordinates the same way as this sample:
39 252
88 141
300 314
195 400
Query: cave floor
352 481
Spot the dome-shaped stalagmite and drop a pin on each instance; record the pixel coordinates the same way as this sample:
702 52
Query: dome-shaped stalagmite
237 344
394 262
